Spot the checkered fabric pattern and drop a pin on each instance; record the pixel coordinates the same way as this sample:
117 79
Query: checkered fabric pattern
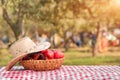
64 73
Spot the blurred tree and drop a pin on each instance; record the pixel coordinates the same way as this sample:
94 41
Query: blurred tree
15 24
16 12
94 13
61 16
103 13
95 8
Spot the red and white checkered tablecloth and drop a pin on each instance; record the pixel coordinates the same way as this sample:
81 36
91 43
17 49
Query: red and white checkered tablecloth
64 73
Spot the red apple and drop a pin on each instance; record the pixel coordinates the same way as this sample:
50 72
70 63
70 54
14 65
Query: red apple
36 56
49 54
39 56
44 52
58 54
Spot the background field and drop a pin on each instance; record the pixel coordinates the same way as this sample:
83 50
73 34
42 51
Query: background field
79 56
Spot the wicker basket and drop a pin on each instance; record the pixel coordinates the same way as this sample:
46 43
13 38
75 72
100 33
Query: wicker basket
42 65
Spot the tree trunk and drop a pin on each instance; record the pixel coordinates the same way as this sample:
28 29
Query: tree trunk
98 36
66 41
17 26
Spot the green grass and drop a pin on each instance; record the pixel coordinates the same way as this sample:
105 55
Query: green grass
75 57
5 57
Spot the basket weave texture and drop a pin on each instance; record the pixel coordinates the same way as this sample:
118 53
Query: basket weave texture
42 65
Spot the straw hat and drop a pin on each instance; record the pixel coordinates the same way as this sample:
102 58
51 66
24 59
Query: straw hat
23 47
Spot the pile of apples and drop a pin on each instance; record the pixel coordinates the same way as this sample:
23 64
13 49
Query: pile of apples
44 55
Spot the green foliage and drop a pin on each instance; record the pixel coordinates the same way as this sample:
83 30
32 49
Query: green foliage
53 15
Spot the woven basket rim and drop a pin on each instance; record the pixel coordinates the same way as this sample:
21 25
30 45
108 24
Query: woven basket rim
43 60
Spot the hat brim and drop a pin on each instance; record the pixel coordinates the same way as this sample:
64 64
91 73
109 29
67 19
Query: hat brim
40 46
